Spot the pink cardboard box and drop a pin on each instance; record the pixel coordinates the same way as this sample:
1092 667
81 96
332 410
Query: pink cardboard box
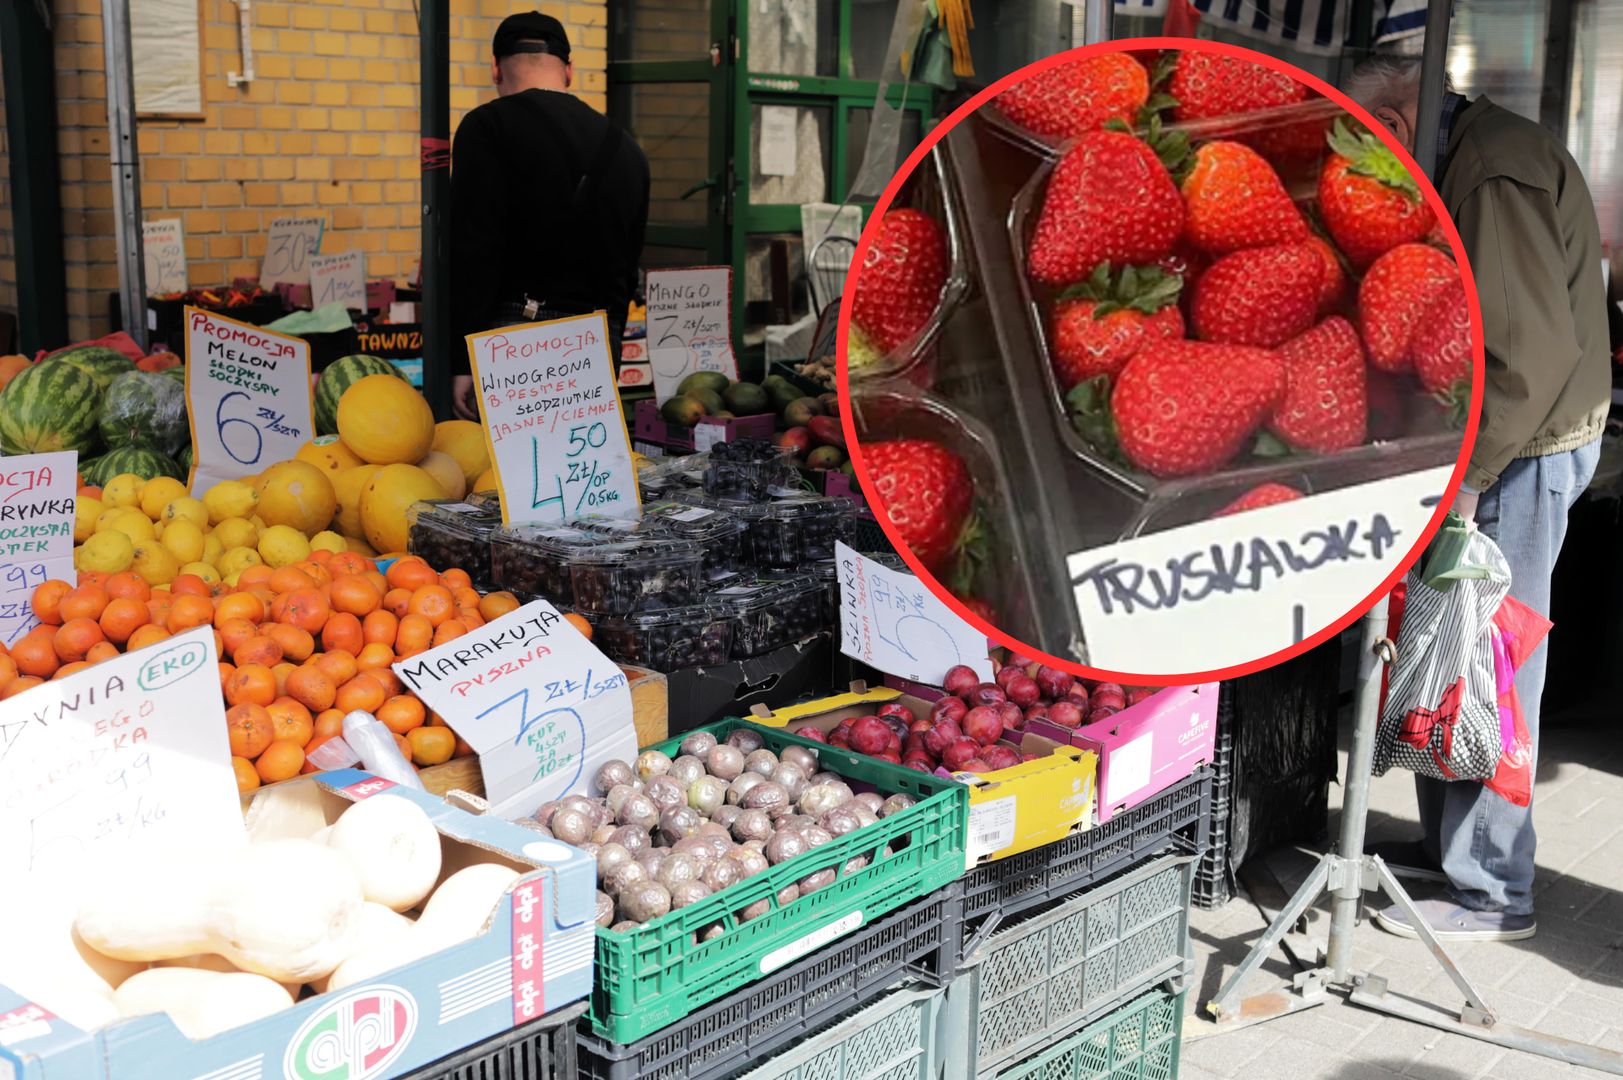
1149 747
651 427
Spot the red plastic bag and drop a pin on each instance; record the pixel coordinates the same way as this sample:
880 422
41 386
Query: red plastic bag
120 341
1520 629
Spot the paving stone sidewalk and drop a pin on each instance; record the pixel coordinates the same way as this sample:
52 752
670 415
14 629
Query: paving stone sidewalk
1566 981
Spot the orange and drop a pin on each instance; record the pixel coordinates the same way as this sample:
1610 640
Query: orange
311 688
102 650
189 610
328 722
433 602
296 642
321 557
397 602
190 585
282 760
347 562
18 685
496 604
361 692
158 606
410 572
374 655
579 623
307 609
379 582
257 649
401 713
387 679
462 748
97 578
227 669
405 747
76 637
123 616
287 578
85 602
314 571
128 584
448 630
247 775
338 665
290 720
233 633
278 606
431 745
266 597
70 669
256 575
8 671
35 654
355 595
470 618
309 748
149 634
280 672
456 578
381 627
343 631
251 684
416 634
238 605
47 601
465 596
249 727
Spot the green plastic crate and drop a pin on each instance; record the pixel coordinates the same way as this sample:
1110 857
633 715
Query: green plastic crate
653 976
892 1039
1139 1041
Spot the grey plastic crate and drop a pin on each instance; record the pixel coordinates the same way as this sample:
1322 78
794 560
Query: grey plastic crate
1044 975
1142 1040
895 1038
542 1049
916 942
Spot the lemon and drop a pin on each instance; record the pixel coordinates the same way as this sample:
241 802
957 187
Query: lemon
283 544
129 521
159 492
360 546
229 499
123 490
238 559
189 508
328 541
258 522
155 563
86 509
185 540
212 549
108 552
202 570
236 532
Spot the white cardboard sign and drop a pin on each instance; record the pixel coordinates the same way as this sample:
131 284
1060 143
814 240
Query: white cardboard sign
690 325
1171 602
891 621
778 138
247 397
36 532
339 278
288 248
130 753
542 706
163 250
557 432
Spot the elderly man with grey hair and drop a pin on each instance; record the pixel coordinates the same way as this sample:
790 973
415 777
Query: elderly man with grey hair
1528 225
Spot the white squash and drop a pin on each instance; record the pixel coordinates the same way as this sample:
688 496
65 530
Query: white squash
394 847
286 909
456 912
201 1003
211 962
379 928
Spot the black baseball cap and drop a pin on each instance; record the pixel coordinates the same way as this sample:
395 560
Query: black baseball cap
530 32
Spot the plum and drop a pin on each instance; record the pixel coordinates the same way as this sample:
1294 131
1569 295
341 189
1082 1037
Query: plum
1109 694
1014 717
975 765
1036 712
1024 663
1023 691
944 734
921 725
897 725
870 735
1143 693
1006 674
986 694
1102 712
897 709
892 756
1000 756
960 680
1077 693
814 734
984 724
918 763
1066 713
1053 682
958 752
948 708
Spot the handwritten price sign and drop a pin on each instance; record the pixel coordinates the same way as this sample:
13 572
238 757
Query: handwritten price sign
36 532
247 396
338 279
163 249
1170 602
548 398
540 703
890 621
288 249
690 325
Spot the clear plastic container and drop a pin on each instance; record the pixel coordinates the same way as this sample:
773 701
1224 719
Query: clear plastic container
720 533
788 533
750 470
627 576
767 613
451 532
669 640
533 560
673 474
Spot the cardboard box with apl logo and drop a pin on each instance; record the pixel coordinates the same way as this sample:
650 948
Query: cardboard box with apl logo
1011 810
1149 747
534 956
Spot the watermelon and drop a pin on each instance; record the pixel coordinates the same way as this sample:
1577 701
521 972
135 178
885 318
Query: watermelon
138 458
143 406
340 376
99 362
185 459
50 407
177 373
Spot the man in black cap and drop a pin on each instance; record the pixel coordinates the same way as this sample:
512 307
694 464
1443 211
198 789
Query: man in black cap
549 200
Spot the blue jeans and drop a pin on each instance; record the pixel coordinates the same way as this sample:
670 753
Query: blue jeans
1485 844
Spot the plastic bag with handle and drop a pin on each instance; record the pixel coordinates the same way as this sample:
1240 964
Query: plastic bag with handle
1440 696
1517 631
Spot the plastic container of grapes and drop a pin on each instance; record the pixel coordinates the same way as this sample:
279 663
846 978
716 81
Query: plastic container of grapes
636 575
535 560
451 532
668 640
787 533
719 533
768 613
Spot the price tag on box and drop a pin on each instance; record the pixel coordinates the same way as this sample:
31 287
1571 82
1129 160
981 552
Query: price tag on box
288 248
37 508
247 397
690 324
163 251
339 278
891 621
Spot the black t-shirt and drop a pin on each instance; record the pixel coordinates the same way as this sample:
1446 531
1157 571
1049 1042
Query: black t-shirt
516 165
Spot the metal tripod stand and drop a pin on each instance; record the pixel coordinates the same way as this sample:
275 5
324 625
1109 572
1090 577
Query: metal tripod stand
1347 874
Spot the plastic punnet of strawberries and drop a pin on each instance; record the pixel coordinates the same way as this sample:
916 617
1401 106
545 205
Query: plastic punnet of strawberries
1198 315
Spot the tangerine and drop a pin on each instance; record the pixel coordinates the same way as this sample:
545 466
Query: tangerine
380 627
387 679
247 775
239 605
189 610
249 728
355 595
311 687
8 671
431 745
281 672
373 656
416 634
18 685
75 638
343 631
35 654
362 692
226 670
433 602
397 602
338 665
128 584
579 623
296 642
259 649
328 723
410 572
70 669
254 576
401 713
307 609
290 720
287 578
46 602
494 605
281 760
122 617
190 585
456 578
251 684
149 634
233 633
85 602
102 650
449 630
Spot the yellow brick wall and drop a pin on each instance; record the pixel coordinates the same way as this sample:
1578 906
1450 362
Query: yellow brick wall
328 126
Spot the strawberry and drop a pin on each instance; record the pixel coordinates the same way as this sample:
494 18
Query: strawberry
1235 201
1260 496
1442 347
899 285
1393 298
1369 200
1333 288
1187 407
1102 322
1208 86
1076 98
927 491
1262 296
1325 372
1110 199
979 607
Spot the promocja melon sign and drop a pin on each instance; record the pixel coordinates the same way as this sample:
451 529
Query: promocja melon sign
357 1037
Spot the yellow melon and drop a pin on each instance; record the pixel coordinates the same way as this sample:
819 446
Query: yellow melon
384 421
298 494
348 486
387 497
329 454
485 481
443 467
464 440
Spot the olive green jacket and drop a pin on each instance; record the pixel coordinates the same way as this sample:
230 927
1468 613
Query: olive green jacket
1529 229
